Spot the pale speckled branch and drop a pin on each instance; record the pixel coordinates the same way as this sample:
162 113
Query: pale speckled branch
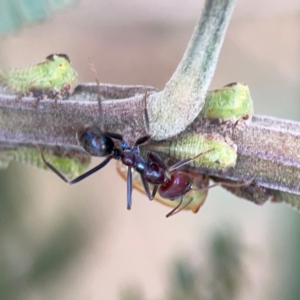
23 123
268 152
268 149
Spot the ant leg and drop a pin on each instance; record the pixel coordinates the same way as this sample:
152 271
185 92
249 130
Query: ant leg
178 209
92 171
187 160
156 159
79 178
154 190
146 188
129 187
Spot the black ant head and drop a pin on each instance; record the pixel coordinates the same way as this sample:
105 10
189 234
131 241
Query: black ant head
93 141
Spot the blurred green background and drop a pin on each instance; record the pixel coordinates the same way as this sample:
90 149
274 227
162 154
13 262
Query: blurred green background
80 242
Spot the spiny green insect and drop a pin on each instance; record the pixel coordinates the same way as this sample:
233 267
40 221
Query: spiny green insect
193 200
71 165
232 102
288 198
53 77
223 155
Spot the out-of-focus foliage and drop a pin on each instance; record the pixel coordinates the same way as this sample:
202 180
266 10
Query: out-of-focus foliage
219 278
26 261
15 14
131 294
218 273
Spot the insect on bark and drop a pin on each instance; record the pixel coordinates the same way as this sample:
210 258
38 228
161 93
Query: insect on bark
68 163
54 78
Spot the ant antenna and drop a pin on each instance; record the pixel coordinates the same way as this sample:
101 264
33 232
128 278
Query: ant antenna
178 209
93 69
146 112
187 160
228 184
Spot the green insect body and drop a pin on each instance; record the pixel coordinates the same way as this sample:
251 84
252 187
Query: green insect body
54 75
71 166
288 198
232 102
193 200
222 156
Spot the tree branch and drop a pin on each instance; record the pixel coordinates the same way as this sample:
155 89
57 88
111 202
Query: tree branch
268 153
268 149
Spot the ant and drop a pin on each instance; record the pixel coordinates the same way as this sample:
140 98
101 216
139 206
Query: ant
186 185
195 196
